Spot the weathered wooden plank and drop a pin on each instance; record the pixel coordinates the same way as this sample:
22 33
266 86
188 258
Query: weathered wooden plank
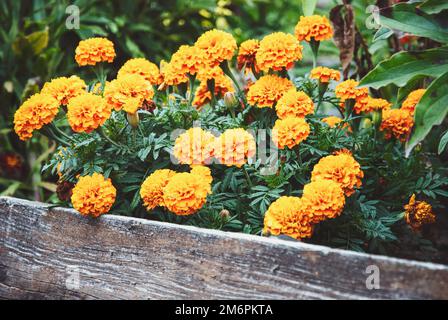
42 250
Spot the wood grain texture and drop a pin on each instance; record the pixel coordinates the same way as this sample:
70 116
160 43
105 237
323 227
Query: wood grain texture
127 258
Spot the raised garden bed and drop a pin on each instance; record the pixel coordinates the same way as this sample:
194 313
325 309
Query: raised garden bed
127 258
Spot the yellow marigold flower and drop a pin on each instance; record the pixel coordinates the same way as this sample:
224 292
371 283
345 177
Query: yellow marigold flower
341 168
397 123
324 75
286 216
348 90
323 199
216 46
93 195
246 54
186 193
332 121
195 146
418 213
63 88
93 51
294 104
87 112
37 111
234 147
290 132
278 51
148 70
151 191
203 171
412 99
313 27
369 104
267 90
128 92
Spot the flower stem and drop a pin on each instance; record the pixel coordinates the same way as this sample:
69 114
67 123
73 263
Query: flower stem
103 134
191 79
246 174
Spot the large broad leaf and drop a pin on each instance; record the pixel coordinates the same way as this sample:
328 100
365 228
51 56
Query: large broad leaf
407 18
430 111
308 7
404 66
433 6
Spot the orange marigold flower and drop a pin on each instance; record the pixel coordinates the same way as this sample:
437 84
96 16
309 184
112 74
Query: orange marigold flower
87 112
148 70
323 199
418 213
278 51
287 216
266 91
93 195
151 191
93 51
348 90
324 75
37 111
332 121
294 104
313 27
290 132
341 168
195 146
216 46
369 104
397 123
187 60
63 88
186 193
234 147
128 92
412 100
203 171
246 55
222 86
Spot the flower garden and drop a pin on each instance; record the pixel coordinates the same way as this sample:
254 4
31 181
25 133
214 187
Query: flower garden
237 136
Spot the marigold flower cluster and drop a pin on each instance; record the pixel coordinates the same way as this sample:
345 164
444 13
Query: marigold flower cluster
246 55
203 95
145 68
294 104
397 123
63 88
313 27
341 168
93 195
87 112
369 104
324 75
418 213
195 146
151 190
412 100
278 51
267 90
128 92
290 132
94 50
37 111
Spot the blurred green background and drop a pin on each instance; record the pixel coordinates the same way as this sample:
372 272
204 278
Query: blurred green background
36 46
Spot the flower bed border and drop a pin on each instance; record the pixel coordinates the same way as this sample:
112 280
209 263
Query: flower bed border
120 257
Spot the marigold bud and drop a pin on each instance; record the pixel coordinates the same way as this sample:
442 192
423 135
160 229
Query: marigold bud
230 100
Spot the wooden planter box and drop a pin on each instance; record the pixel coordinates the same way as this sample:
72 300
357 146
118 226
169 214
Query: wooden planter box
45 251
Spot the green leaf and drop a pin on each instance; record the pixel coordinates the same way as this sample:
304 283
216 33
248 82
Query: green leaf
404 66
430 111
382 34
407 18
433 6
308 7
443 142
